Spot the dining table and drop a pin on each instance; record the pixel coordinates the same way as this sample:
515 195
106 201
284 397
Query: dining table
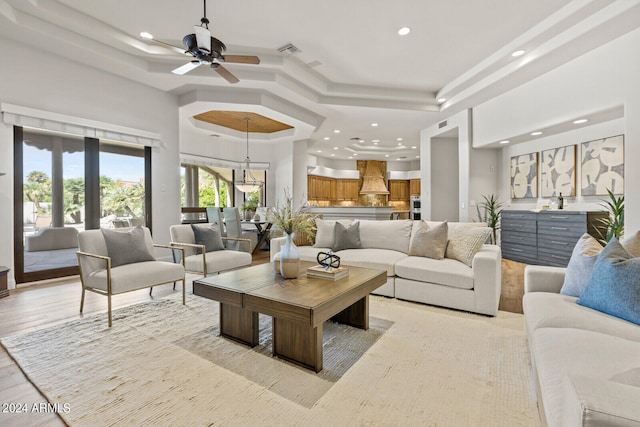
263 228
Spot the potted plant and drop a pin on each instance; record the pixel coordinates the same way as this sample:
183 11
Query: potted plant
249 208
491 208
290 221
613 224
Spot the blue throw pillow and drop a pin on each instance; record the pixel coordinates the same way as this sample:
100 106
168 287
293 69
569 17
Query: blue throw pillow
614 284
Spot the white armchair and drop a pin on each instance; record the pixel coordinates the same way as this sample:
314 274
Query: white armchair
100 275
198 260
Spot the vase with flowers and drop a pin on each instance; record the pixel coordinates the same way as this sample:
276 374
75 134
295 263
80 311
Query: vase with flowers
290 221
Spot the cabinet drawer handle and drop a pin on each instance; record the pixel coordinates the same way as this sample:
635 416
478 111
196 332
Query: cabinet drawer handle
558 256
517 250
559 217
559 228
559 243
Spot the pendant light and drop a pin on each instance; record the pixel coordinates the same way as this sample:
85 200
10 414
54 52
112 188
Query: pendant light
249 183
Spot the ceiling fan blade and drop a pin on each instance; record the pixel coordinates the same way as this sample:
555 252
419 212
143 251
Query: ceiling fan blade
170 46
186 67
226 74
241 59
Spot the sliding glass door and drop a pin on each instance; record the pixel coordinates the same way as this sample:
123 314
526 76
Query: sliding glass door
64 184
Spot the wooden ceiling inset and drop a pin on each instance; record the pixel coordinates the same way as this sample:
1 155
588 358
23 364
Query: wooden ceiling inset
235 120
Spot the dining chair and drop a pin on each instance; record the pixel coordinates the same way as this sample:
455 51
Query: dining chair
214 217
233 224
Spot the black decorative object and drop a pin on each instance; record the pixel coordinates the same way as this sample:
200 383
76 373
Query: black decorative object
328 260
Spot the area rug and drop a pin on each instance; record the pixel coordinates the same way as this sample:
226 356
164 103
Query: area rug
163 363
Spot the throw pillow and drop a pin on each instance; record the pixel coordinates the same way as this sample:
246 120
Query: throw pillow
346 237
324 232
126 247
581 263
429 242
632 244
208 235
465 241
614 285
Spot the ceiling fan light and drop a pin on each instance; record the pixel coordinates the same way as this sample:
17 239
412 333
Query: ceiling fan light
203 37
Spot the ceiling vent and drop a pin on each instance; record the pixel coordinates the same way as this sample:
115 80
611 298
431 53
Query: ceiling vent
442 124
289 49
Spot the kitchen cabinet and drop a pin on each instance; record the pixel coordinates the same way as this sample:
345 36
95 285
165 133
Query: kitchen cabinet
414 187
347 189
398 190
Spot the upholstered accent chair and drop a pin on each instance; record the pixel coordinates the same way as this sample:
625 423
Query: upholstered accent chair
233 224
201 257
108 269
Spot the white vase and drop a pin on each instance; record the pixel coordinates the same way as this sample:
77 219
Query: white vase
289 259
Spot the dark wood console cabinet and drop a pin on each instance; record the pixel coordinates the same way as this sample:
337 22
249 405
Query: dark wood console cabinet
545 237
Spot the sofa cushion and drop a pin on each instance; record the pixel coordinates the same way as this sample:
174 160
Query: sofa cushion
632 243
218 261
387 234
465 241
378 259
552 310
208 235
614 284
128 277
581 263
573 353
447 272
325 232
346 237
126 247
429 242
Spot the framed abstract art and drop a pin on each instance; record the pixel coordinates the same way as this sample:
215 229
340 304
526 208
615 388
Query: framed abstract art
524 176
558 172
602 166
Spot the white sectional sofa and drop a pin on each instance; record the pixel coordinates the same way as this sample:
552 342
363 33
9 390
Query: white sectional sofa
443 282
586 363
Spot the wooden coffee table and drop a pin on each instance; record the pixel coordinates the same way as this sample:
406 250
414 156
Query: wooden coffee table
299 307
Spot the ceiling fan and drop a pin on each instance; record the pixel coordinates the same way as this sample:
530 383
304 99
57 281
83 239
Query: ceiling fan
207 50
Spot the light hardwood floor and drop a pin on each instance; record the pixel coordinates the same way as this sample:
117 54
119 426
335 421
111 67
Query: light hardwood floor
49 303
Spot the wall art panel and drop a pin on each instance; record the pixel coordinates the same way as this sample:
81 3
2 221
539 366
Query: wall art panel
524 176
602 166
558 172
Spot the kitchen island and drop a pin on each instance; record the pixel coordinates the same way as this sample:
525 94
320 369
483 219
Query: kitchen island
352 212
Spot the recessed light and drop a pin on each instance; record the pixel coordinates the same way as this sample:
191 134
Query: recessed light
441 100
536 133
518 53
400 143
319 151
417 157
146 35
580 121
355 154
404 31
399 139
375 141
506 141
336 131
326 138
335 148
361 141
386 155
374 124
413 147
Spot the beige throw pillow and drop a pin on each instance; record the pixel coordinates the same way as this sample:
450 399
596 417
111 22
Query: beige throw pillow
465 241
324 233
429 242
632 244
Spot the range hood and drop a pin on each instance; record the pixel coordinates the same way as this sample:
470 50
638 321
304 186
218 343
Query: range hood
373 180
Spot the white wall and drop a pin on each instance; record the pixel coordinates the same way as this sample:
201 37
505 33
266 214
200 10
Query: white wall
483 178
46 82
459 124
603 78
444 179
